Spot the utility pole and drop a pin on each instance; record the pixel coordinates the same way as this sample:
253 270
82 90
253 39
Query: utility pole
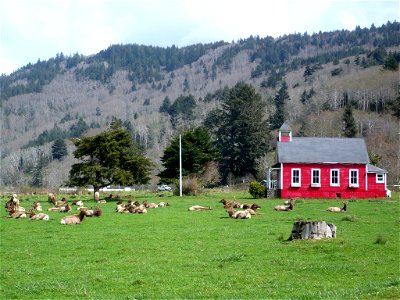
180 165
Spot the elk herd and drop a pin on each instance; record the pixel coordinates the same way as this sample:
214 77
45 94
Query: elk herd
234 209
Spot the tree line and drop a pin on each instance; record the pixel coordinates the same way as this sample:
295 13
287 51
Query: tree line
147 63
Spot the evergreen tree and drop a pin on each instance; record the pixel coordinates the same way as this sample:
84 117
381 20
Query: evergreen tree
280 98
38 169
109 158
79 128
240 130
350 129
59 149
165 106
197 151
307 72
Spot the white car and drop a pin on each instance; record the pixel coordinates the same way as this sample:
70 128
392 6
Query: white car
164 187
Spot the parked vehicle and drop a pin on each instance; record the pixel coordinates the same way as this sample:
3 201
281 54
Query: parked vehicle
164 187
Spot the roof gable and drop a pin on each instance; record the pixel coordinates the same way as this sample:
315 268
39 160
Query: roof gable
323 150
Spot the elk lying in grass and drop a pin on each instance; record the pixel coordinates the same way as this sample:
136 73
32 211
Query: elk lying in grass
252 209
37 206
78 203
13 204
92 212
73 219
230 203
198 208
338 209
240 214
121 208
141 209
40 216
151 205
15 214
66 208
284 207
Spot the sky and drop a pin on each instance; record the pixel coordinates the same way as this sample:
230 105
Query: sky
39 29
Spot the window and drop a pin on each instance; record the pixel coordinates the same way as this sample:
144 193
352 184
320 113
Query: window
379 178
315 177
353 178
296 178
335 177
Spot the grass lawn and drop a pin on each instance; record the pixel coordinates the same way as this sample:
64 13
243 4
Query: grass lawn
171 253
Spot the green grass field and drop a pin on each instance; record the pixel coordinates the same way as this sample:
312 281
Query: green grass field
171 253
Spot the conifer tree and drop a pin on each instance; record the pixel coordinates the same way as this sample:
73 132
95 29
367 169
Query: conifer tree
349 122
59 149
280 99
240 131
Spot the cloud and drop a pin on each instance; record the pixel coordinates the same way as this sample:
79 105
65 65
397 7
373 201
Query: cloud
32 29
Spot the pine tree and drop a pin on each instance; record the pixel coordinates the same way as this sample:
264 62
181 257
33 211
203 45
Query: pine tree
59 149
240 130
349 122
280 99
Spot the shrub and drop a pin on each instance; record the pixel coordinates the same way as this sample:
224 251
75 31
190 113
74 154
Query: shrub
257 190
191 186
336 71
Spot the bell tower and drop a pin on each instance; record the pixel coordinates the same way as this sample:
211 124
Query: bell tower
285 133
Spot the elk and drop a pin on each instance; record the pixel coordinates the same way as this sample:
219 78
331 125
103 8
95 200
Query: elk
93 212
37 206
15 214
288 201
230 203
78 203
240 214
284 207
338 209
73 219
253 209
141 209
14 204
121 207
39 216
97 198
151 205
198 208
65 208
52 198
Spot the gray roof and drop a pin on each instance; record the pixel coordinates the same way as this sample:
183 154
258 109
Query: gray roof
375 169
285 128
323 150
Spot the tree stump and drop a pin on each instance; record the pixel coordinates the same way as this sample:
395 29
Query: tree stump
312 230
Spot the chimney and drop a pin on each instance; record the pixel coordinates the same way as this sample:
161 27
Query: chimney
285 133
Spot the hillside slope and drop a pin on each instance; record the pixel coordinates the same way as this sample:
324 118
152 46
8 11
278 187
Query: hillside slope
346 66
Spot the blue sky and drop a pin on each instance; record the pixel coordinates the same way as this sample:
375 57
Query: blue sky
39 29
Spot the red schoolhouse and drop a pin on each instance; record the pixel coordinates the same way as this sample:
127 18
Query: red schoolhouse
309 167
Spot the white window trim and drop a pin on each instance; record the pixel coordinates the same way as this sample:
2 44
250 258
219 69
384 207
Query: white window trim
295 184
313 184
338 177
380 180
353 185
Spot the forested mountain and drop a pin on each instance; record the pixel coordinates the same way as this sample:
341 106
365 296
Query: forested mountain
304 79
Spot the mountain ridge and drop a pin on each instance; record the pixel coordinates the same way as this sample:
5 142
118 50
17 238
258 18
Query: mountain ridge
97 90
